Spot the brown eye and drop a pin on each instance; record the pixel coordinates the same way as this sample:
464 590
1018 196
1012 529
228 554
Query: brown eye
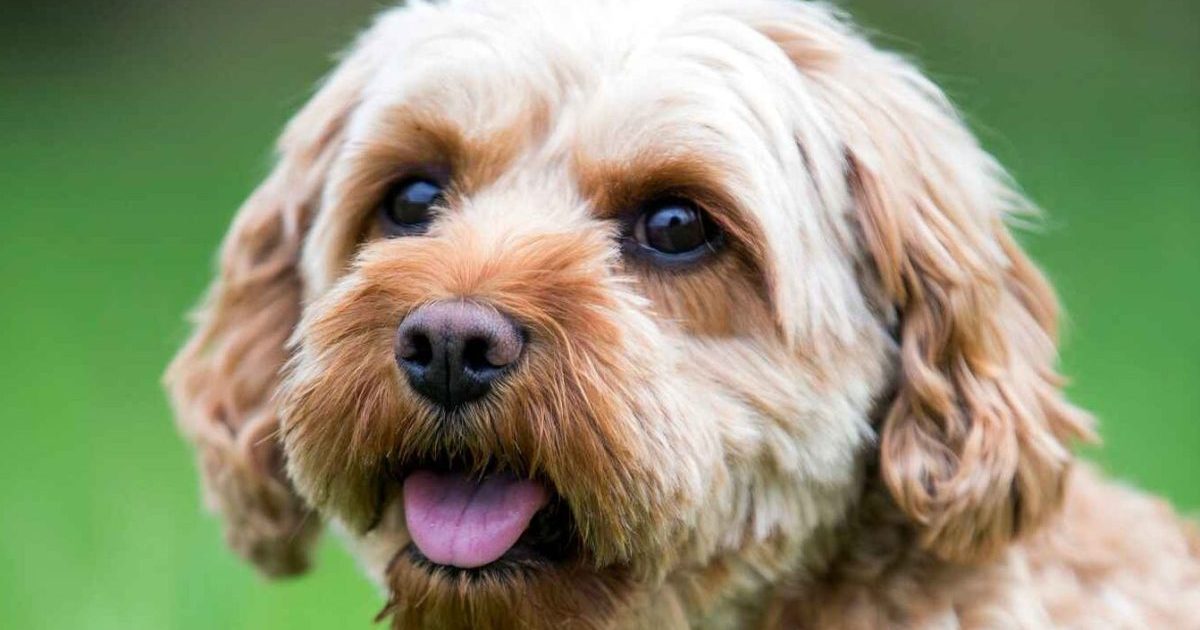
674 231
407 207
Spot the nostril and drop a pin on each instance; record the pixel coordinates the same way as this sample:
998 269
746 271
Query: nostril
475 355
418 349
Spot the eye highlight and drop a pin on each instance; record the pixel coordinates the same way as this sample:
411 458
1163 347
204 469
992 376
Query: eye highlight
407 208
674 232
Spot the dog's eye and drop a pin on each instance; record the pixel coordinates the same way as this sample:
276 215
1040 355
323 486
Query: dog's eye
675 231
407 207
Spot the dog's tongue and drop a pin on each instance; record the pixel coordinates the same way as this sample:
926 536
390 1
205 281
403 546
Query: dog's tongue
458 521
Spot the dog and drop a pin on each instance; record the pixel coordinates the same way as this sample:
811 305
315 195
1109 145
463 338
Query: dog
631 314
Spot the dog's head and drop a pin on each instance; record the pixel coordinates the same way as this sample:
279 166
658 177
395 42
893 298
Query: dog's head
553 301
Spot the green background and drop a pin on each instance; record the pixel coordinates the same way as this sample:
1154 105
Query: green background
131 131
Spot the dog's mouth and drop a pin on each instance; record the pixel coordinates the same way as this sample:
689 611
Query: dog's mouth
463 521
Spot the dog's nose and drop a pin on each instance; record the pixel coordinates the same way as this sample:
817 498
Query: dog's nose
452 352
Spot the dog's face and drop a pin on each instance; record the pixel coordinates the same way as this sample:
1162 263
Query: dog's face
583 297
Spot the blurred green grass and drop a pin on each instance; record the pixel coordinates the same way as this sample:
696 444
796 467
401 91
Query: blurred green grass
129 134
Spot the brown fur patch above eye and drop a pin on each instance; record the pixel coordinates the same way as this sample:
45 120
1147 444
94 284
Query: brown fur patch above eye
720 298
421 134
409 142
617 188
416 139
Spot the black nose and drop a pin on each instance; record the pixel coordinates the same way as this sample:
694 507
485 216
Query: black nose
452 352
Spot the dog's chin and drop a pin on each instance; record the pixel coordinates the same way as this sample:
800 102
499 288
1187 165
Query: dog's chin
524 590
545 574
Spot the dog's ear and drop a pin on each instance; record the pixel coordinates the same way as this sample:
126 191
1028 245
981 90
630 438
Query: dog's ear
223 381
975 446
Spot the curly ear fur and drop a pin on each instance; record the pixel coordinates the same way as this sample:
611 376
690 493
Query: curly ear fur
223 380
975 446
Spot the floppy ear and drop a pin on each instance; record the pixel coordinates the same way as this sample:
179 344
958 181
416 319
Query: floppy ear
223 380
975 446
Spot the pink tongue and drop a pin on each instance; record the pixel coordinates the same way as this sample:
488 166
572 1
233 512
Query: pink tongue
466 523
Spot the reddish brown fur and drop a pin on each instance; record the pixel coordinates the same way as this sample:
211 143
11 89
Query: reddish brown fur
570 366
533 600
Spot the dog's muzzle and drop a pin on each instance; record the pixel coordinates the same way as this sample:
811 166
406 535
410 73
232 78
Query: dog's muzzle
452 352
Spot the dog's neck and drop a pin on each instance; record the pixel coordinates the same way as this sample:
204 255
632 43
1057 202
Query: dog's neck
873 544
